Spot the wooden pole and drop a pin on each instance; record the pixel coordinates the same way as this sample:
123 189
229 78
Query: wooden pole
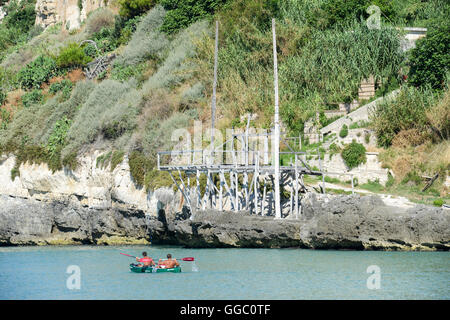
213 102
198 189
296 188
221 191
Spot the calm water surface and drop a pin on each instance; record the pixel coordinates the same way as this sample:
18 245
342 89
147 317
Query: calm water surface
40 273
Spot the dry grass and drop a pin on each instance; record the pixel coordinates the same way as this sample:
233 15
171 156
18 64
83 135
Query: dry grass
425 159
439 116
99 19
411 137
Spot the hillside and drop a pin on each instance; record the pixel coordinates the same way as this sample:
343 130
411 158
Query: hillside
160 79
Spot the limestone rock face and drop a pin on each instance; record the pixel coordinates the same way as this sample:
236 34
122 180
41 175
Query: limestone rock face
340 222
91 204
69 12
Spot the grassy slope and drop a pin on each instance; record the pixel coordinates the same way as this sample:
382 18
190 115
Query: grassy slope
161 82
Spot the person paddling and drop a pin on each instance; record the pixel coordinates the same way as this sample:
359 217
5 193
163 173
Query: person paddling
146 261
169 263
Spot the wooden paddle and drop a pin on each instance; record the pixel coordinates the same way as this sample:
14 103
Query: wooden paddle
182 259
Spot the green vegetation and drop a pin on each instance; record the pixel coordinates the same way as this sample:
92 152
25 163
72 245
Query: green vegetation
132 8
37 72
72 56
161 80
17 24
32 97
354 154
430 59
112 158
182 13
438 202
396 115
344 131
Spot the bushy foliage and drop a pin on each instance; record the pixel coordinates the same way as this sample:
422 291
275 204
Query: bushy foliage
337 11
37 72
16 25
33 97
176 68
344 131
35 124
110 109
181 13
98 20
139 165
354 154
158 134
72 56
394 115
2 96
430 59
60 86
132 8
57 140
147 41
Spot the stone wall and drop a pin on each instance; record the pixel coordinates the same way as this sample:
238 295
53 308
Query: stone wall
371 170
361 114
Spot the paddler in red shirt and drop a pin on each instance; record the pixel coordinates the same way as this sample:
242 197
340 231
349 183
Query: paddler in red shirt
146 261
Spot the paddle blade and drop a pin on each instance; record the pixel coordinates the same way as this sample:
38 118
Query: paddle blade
188 259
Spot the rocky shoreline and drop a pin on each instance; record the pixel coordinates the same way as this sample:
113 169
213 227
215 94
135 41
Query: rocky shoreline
330 222
102 206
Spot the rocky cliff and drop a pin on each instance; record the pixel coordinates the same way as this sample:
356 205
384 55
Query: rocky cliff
329 222
96 205
68 12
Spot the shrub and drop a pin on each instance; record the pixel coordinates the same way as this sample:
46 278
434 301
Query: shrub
65 86
57 139
367 137
354 154
37 72
344 131
99 19
132 8
158 134
391 181
438 202
32 97
2 97
111 109
181 13
413 177
396 114
175 68
430 59
336 11
438 117
147 41
139 165
72 56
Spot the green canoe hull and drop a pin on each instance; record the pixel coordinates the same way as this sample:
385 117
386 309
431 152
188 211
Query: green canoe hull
136 269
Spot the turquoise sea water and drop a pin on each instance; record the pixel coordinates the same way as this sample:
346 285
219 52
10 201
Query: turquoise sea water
41 273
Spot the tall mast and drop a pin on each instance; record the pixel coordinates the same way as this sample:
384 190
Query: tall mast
276 137
213 102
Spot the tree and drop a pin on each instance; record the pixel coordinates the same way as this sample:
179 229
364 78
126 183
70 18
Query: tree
132 8
430 59
182 13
